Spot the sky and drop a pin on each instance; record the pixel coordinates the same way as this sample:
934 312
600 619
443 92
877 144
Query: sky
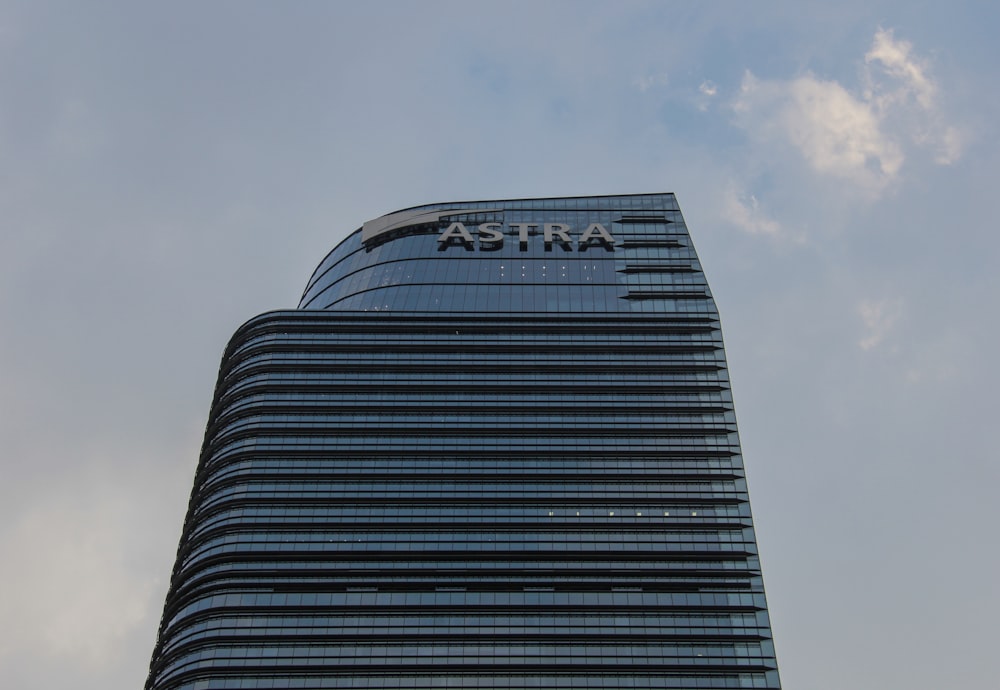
169 170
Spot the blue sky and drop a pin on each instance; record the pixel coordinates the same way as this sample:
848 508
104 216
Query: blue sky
168 171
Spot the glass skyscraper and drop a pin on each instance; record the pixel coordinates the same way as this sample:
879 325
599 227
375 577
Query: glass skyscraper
493 447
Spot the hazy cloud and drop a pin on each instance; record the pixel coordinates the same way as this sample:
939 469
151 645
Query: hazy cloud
647 82
899 88
707 90
896 59
879 318
837 133
857 135
941 359
743 210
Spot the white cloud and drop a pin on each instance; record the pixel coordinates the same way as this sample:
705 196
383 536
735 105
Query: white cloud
743 210
708 91
835 132
879 318
859 136
901 91
897 60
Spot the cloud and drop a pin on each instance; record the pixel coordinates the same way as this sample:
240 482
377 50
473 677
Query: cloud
836 133
879 318
942 359
950 144
898 62
859 136
900 90
645 83
707 90
743 210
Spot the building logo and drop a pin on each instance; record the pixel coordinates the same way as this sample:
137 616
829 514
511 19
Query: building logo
488 236
491 236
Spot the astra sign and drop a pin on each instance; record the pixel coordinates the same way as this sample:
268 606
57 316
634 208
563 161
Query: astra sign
488 236
491 235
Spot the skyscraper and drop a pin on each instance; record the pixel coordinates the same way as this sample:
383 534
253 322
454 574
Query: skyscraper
494 447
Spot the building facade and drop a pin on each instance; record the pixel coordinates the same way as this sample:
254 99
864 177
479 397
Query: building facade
493 447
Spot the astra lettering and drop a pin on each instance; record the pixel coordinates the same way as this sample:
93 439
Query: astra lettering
491 236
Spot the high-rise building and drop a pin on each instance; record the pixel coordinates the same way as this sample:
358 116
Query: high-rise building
494 447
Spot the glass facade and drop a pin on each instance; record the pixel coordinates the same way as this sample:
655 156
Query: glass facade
494 447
